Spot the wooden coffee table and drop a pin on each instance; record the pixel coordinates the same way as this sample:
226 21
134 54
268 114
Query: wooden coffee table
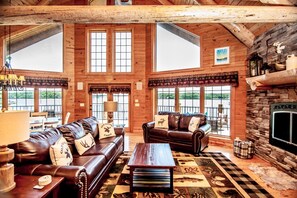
151 168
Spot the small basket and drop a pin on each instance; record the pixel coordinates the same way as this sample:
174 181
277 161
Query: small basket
243 149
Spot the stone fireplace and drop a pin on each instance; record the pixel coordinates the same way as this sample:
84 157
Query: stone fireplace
283 126
259 125
259 104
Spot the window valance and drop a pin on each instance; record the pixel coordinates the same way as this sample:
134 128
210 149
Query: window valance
98 89
46 82
217 79
110 89
120 89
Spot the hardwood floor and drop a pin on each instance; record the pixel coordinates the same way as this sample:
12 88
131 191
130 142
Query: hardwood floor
133 138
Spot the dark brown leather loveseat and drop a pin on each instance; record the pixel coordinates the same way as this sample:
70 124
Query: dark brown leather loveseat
85 175
178 135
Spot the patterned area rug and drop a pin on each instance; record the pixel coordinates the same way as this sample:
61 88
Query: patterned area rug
208 176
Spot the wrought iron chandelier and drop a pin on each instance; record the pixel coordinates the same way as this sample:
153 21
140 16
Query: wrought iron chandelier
8 79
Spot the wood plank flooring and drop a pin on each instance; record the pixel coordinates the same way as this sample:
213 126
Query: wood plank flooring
133 138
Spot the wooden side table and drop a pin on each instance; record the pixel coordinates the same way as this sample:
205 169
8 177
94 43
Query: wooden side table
24 188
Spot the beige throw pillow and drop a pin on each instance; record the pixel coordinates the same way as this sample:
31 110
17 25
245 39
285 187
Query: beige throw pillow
161 121
106 130
85 143
194 124
60 153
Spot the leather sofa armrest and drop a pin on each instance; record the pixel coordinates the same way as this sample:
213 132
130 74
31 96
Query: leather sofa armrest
119 131
198 134
73 175
146 127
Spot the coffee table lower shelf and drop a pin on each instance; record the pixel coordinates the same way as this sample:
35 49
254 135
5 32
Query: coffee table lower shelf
151 179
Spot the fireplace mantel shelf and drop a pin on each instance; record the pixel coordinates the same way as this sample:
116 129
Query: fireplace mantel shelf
276 78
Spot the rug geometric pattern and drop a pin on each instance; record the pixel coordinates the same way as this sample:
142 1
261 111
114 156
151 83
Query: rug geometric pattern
210 175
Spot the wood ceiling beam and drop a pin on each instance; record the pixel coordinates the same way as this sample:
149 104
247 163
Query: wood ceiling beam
237 29
36 15
43 2
280 2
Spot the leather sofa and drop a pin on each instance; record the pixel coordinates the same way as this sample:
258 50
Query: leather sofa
177 135
86 174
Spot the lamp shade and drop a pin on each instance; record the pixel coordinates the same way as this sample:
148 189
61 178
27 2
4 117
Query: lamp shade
110 106
14 127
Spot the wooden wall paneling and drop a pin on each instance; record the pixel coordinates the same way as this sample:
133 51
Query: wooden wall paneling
69 65
210 39
138 74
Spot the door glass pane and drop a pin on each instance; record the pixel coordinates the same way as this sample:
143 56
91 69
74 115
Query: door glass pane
166 99
98 100
50 100
217 108
189 99
122 115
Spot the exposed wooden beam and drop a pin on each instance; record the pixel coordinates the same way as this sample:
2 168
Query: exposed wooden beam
36 15
28 40
280 2
237 29
43 2
182 33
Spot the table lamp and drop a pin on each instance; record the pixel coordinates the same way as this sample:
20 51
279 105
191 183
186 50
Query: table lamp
14 128
110 107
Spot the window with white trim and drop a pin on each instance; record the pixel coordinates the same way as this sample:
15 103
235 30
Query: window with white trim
123 51
21 99
98 48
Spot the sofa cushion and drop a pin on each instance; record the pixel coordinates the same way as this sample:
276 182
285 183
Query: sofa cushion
108 150
186 118
178 136
161 121
90 125
194 124
70 132
202 118
117 140
184 122
173 119
106 130
60 153
85 143
36 148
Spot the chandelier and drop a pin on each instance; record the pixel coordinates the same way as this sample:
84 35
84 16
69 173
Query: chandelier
8 79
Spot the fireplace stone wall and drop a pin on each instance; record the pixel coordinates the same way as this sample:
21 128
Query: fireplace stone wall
258 102
258 124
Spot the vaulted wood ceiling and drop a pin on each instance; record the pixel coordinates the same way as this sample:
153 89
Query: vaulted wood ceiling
245 32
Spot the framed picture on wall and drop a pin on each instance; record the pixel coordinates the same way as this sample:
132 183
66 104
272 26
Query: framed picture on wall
221 56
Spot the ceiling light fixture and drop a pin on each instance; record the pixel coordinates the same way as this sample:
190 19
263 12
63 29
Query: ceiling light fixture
8 79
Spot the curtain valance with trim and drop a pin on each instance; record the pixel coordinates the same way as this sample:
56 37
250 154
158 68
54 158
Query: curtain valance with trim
46 82
109 89
217 79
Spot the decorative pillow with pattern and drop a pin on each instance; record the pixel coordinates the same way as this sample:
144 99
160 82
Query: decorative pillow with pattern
106 130
60 153
194 124
161 121
85 143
